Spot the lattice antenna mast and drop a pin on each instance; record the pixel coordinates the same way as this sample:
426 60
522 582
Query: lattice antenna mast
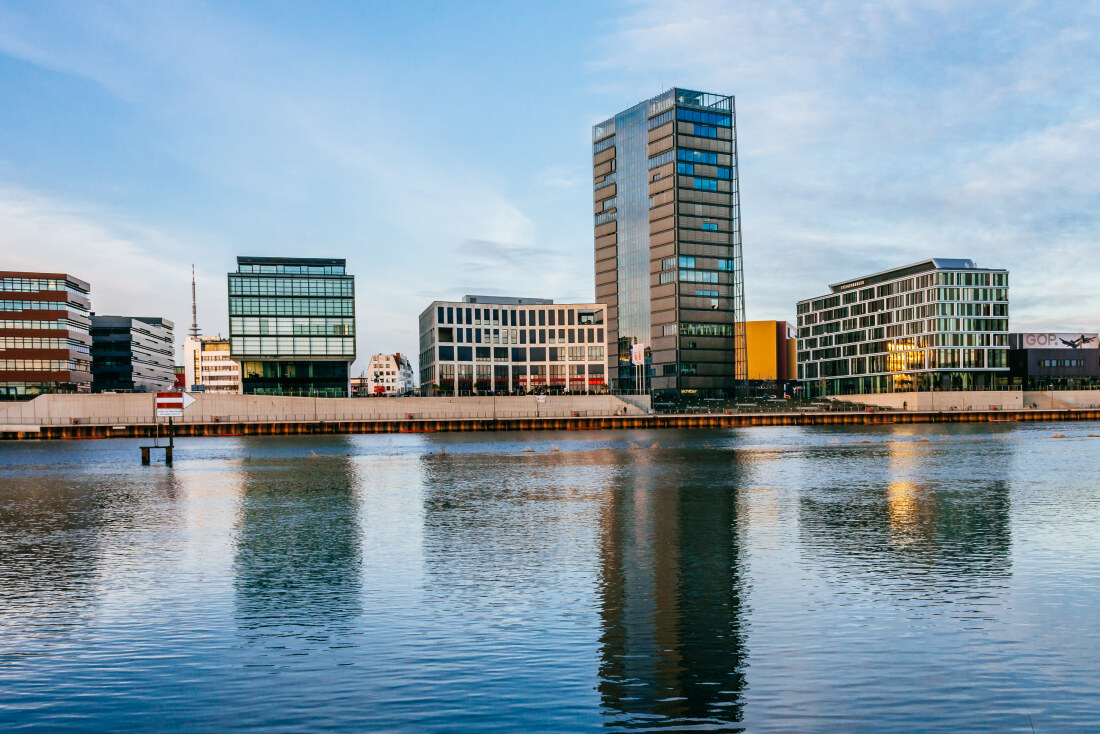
194 333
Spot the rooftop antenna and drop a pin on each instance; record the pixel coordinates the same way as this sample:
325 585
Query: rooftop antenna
194 332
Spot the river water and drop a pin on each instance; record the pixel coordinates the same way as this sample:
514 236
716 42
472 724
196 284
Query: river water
771 579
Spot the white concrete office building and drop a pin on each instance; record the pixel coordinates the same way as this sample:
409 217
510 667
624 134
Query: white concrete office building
387 374
208 367
493 345
940 324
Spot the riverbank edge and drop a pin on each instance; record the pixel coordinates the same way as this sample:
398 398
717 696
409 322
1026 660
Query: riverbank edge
584 423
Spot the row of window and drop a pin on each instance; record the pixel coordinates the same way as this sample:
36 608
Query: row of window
520 354
291 307
933 359
37 285
36 342
289 326
537 372
1061 363
949 278
514 317
45 365
707 118
449 335
688 169
292 345
279 269
59 324
690 329
316 287
36 305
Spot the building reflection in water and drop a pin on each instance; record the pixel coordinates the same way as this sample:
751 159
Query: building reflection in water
298 559
673 646
908 511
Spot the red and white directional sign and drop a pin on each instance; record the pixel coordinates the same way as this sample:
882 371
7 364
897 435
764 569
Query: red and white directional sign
171 404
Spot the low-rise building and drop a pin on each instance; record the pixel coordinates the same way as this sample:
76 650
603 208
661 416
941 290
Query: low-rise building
1052 361
493 345
132 354
771 355
387 374
939 324
209 367
44 341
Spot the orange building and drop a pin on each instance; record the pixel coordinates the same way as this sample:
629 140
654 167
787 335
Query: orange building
771 351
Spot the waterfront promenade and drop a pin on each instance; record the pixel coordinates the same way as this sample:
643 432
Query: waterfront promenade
131 415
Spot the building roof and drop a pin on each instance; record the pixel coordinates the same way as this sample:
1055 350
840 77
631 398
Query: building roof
250 260
934 263
508 301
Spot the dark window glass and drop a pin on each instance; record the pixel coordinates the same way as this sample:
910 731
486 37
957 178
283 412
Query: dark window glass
519 354
572 313
599 335
465 354
468 321
538 354
571 335
542 336
561 317
595 369
450 315
591 335
531 336
477 314
439 314
446 334
482 353
477 336
513 318
446 354
552 319
553 354
542 317
580 335
523 336
519 370
523 318
561 335
459 310
500 353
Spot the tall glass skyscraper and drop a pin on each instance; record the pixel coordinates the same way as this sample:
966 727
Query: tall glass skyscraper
292 325
668 244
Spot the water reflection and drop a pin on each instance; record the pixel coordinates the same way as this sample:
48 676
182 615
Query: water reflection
673 644
907 510
297 563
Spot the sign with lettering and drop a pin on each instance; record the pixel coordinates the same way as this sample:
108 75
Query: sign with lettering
1060 341
171 404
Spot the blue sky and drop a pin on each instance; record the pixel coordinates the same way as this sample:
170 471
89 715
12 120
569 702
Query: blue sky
443 148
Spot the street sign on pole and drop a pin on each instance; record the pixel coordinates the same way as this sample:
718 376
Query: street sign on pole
171 404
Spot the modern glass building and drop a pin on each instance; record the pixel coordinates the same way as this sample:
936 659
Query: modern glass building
132 354
292 325
941 324
44 342
668 243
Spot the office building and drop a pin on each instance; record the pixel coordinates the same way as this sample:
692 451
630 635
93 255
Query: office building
771 356
132 354
940 324
387 374
292 325
208 366
489 345
668 243
1049 361
44 341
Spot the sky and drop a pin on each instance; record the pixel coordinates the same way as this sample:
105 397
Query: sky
444 148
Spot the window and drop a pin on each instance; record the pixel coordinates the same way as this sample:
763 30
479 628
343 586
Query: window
710 226
446 354
687 169
519 354
723 173
687 262
706 131
704 184
538 354
696 156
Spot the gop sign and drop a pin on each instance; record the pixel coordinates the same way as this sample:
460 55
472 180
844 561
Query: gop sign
1060 341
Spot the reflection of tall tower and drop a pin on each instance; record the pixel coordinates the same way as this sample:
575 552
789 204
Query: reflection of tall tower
672 644
298 552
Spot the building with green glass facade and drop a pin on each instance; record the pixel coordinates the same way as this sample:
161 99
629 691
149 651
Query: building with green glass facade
292 325
940 324
668 244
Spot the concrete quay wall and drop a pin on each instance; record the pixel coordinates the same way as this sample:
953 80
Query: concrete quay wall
127 409
980 400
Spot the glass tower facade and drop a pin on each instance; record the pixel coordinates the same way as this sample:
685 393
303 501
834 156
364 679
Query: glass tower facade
668 244
292 325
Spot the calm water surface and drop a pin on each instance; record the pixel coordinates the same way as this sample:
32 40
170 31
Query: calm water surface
910 578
